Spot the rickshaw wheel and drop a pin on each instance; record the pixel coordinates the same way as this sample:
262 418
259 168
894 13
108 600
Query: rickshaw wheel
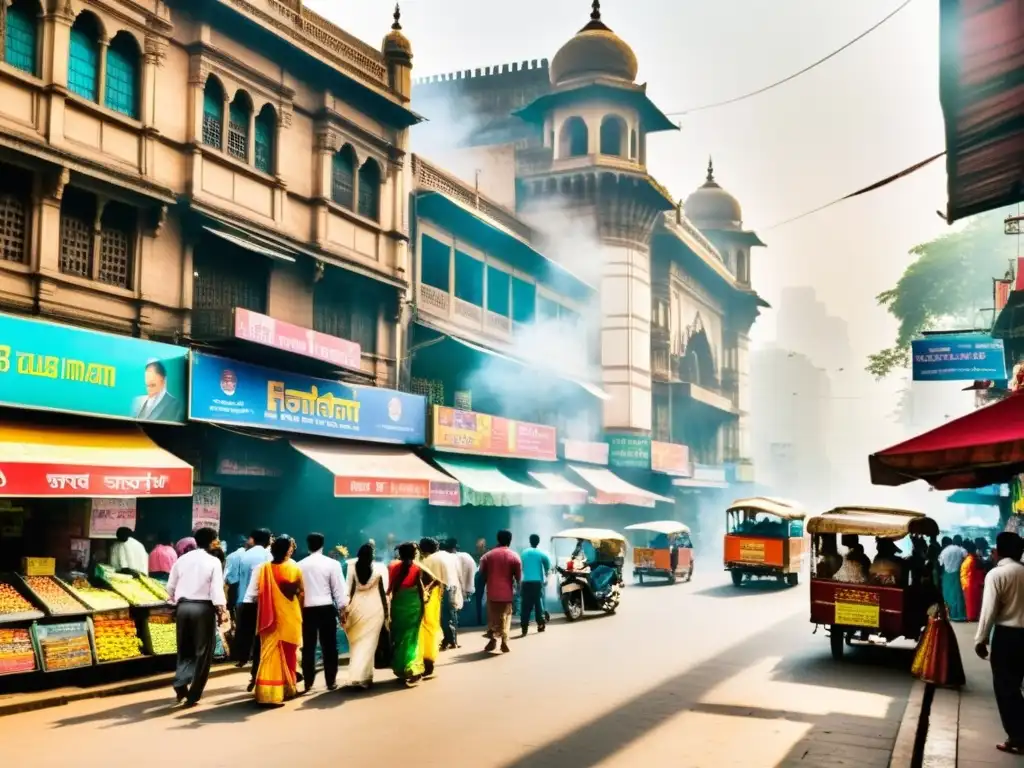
836 639
640 578
737 578
672 578
792 579
689 574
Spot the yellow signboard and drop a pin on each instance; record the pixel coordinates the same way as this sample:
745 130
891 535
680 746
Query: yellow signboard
857 615
752 551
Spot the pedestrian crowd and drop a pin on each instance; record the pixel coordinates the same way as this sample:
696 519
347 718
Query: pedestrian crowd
272 610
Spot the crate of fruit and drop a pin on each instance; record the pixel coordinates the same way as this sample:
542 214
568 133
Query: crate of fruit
115 637
54 595
156 587
15 606
130 588
17 654
63 646
159 634
97 598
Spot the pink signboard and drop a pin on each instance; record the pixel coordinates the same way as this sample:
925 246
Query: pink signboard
260 329
584 452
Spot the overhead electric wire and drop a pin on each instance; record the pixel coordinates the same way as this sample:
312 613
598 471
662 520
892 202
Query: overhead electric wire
870 188
795 75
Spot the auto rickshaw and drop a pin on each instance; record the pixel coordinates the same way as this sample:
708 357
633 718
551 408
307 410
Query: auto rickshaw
889 598
667 551
591 577
764 538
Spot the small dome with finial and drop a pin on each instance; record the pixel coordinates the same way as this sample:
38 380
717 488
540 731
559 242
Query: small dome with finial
395 43
594 51
711 207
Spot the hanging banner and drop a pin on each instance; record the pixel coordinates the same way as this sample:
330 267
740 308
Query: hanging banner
484 435
277 334
1001 290
670 459
206 507
958 358
107 515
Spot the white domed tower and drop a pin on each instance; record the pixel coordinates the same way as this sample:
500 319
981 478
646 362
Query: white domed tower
594 122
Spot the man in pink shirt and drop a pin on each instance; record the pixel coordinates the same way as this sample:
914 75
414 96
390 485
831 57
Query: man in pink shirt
163 557
501 569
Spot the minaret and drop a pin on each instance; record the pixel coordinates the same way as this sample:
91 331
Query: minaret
397 52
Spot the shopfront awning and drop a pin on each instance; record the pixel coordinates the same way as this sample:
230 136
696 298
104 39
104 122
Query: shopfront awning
251 243
484 485
47 461
381 472
611 489
561 491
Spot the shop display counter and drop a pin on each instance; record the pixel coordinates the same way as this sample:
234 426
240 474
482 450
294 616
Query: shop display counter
97 598
15 607
54 595
131 588
115 637
63 646
17 653
159 637
154 586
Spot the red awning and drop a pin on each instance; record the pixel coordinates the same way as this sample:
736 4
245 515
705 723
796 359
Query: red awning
981 448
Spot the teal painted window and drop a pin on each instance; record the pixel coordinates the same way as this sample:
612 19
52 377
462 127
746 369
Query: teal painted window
238 127
369 190
343 177
266 126
436 263
498 291
213 114
547 309
524 301
123 76
84 58
20 39
469 279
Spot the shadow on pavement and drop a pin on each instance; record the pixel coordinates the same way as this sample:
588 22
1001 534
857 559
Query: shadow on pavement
343 696
748 589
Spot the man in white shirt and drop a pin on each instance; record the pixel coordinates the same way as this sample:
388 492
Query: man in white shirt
454 596
128 552
196 588
1002 615
951 558
324 601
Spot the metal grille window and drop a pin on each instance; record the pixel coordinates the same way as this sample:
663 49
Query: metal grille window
84 57
221 283
117 235
213 114
432 389
346 306
122 75
20 38
369 190
12 228
343 177
266 126
238 127
77 227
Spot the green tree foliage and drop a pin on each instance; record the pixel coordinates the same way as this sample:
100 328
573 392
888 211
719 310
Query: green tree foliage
948 281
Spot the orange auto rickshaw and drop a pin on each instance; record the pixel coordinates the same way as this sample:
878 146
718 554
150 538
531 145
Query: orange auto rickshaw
859 599
663 549
764 538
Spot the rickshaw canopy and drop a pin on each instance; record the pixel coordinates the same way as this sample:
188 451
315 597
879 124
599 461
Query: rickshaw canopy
876 510
667 527
787 510
882 525
590 534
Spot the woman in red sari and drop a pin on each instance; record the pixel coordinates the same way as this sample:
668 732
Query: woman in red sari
279 622
972 579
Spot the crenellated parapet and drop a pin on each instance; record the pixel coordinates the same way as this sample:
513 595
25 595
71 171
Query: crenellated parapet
529 70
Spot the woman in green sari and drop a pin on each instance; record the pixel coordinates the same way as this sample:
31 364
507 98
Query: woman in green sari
406 588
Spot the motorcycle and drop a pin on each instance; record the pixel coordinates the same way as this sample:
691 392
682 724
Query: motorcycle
594 585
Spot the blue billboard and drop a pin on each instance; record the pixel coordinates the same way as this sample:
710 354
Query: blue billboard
958 358
231 392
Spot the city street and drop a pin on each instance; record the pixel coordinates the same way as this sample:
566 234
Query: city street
697 674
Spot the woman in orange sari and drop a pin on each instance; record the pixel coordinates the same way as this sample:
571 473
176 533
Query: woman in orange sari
972 579
278 587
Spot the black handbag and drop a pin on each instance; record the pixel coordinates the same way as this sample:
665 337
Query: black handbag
385 651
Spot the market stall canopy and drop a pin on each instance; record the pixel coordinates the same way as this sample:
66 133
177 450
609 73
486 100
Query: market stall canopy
562 491
876 510
484 485
377 471
668 527
50 461
882 525
986 446
787 510
611 489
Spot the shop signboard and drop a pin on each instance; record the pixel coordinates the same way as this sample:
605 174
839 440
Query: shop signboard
107 515
63 646
481 434
52 367
277 334
240 394
709 474
967 357
438 494
629 451
670 459
584 452
206 507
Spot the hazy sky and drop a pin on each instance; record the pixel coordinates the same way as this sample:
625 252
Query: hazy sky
869 112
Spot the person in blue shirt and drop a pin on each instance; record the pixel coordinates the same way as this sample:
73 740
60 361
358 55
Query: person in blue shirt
232 576
247 640
536 566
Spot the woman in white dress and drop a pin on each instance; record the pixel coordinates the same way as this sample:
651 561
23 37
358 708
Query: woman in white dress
365 615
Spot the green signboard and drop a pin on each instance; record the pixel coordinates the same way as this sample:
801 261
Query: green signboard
52 367
629 451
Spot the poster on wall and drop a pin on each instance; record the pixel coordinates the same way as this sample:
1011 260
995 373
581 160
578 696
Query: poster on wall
206 507
107 515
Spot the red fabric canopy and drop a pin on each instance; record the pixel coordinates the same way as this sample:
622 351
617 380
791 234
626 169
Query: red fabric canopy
981 448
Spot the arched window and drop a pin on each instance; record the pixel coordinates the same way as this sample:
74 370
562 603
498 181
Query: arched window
21 40
266 128
238 126
613 136
213 113
84 57
632 145
123 75
343 177
369 190
575 139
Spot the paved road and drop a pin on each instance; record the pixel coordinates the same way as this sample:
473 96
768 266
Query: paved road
696 675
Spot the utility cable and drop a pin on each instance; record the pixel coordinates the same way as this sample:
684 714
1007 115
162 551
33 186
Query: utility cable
795 75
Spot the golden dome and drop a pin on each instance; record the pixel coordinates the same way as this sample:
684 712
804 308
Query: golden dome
711 207
395 42
595 50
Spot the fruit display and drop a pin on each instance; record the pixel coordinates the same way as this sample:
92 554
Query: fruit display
14 607
155 587
64 646
116 637
162 633
131 589
97 598
16 652
54 596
